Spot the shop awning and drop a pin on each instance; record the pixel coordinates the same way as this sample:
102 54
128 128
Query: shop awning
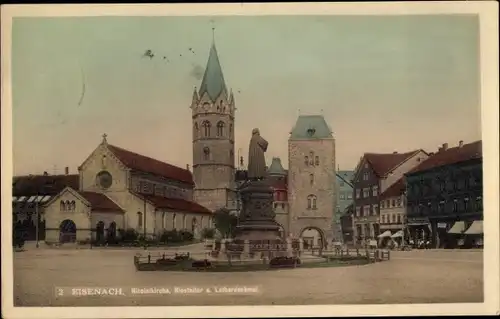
385 234
398 234
476 228
458 228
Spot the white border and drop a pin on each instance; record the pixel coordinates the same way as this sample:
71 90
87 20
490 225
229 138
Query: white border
488 12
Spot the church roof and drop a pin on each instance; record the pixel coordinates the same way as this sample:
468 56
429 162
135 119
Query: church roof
177 204
276 168
213 80
100 202
150 165
311 127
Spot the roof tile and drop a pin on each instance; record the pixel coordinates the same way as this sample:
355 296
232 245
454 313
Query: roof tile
43 184
451 156
149 165
382 164
100 202
396 189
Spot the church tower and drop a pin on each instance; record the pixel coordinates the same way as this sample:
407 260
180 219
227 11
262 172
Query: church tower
213 138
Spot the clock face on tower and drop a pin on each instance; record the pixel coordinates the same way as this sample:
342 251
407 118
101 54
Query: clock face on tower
104 179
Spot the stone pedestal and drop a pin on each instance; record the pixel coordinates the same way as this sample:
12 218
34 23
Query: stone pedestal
257 214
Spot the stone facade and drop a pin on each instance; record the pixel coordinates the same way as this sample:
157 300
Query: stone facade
213 111
312 186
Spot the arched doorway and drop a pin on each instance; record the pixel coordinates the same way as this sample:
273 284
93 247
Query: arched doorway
67 231
313 237
112 232
99 232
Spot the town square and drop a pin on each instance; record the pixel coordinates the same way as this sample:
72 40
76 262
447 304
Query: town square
165 161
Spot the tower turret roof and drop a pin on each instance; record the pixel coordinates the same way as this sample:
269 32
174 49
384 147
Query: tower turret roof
276 168
311 127
213 80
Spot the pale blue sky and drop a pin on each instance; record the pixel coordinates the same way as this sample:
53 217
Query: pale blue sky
384 83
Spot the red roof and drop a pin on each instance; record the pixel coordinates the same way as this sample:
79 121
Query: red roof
452 155
43 184
175 203
100 202
149 165
394 190
384 163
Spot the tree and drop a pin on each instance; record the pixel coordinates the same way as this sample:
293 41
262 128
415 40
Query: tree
225 222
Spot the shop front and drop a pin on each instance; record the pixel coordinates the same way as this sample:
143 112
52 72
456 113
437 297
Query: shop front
420 231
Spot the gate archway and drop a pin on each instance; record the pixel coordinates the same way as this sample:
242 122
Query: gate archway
313 237
67 231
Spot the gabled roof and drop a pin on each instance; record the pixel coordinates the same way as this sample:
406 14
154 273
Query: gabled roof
396 189
176 204
100 202
382 164
43 184
310 127
213 80
451 156
146 164
276 168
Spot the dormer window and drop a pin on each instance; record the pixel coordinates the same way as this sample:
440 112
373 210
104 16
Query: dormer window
311 131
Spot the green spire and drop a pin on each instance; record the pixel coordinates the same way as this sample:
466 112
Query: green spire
213 80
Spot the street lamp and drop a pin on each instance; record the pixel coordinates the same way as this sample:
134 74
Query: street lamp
37 219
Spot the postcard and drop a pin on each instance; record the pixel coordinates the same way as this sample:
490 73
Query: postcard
250 160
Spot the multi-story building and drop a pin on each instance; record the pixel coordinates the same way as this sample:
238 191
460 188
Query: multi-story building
344 198
311 180
393 208
213 112
444 195
374 174
30 193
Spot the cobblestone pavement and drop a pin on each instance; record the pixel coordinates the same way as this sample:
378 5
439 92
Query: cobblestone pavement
409 277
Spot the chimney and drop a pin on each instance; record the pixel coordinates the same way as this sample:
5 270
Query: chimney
45 173
431 153
66 170
395 152
460 143
445 146
187 167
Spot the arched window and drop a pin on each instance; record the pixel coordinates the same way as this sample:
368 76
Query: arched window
62 205
73 205
163 220
196 130
306 160
316 160
230 129
139 219
206 128
201 221
220 128
311 179
311 202
206 153
174 220
67 205
184 221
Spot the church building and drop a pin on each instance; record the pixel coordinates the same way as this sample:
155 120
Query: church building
120 189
